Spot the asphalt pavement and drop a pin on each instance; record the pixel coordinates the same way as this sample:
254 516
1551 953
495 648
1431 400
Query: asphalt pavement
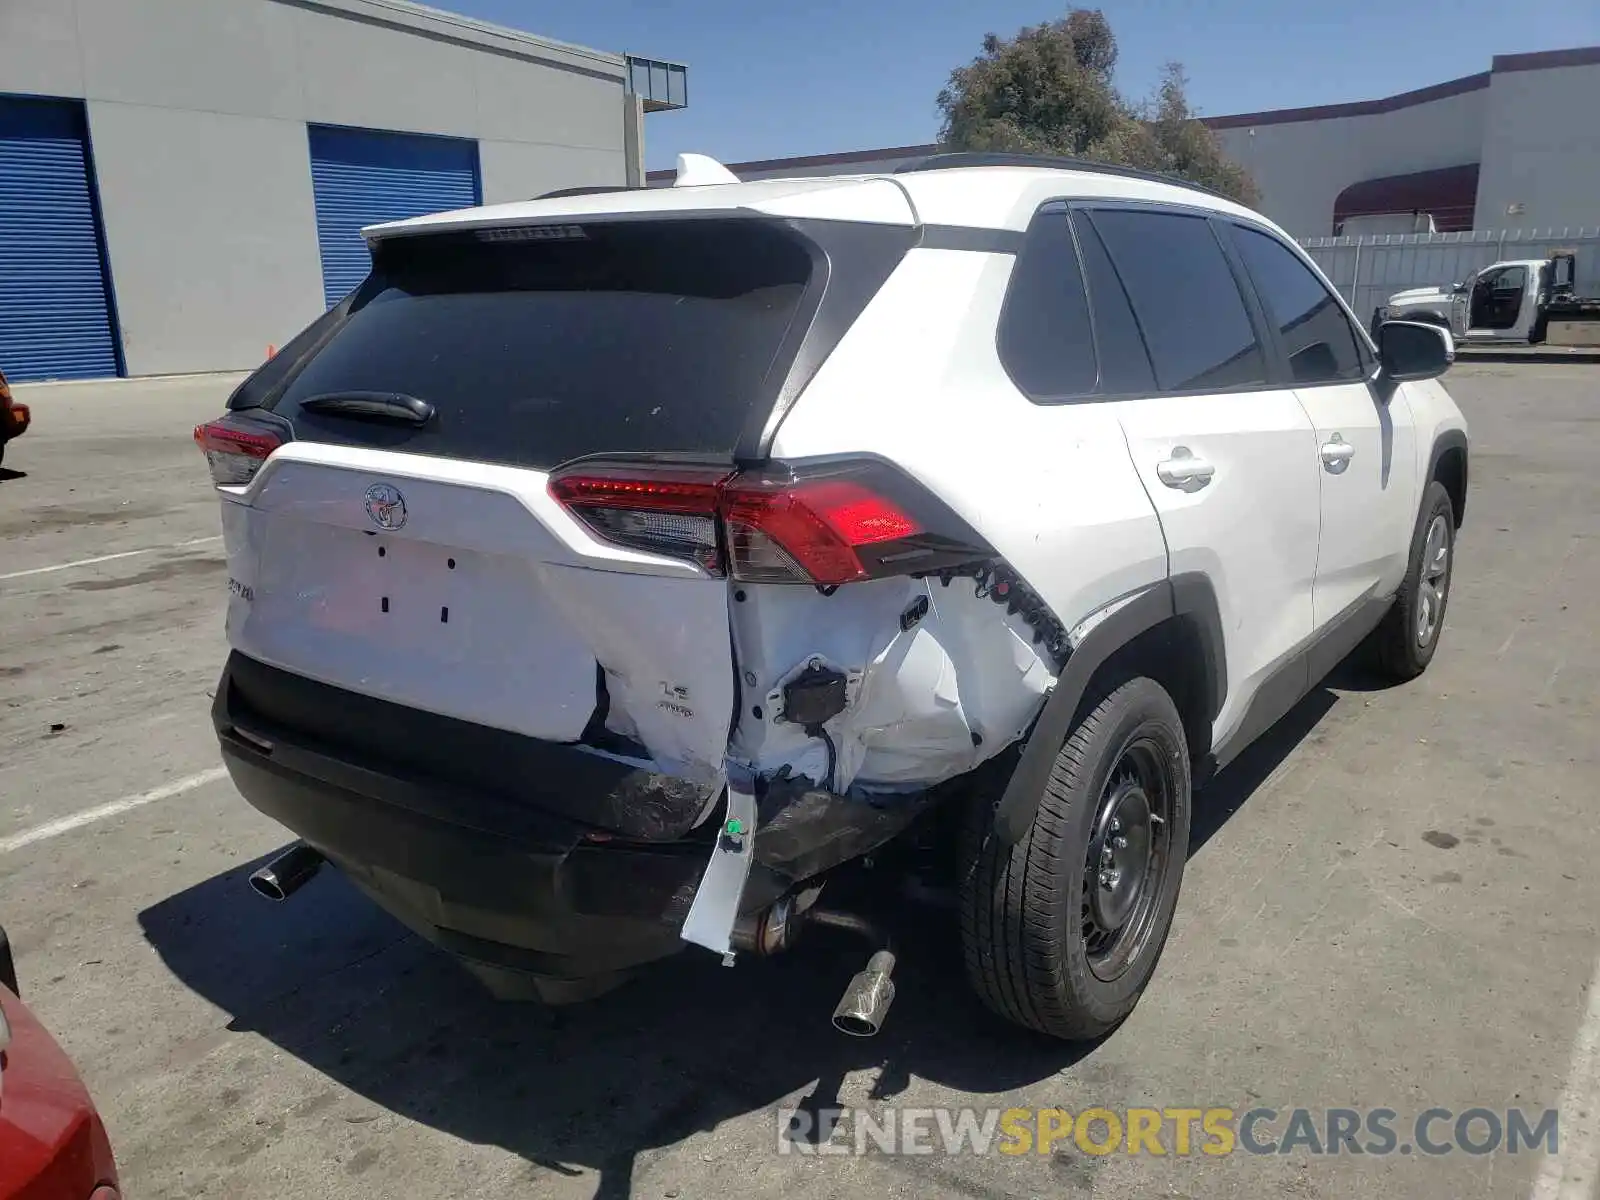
1390 903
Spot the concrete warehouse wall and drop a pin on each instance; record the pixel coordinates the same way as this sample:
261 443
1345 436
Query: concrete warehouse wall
1302 166
1529 126
197 113
1541 148
211 233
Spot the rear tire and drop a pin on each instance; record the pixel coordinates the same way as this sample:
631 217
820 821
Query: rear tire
1404 642
1054 941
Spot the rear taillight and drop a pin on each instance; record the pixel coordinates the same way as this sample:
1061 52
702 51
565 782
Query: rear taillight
668 511
798 532
233 452
822 524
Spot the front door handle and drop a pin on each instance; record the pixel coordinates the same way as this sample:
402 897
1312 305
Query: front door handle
1184 471
1336 454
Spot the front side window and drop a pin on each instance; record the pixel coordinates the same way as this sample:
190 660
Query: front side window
1510 279
1186 300
1318 340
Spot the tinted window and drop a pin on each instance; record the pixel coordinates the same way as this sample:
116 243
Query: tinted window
1183 293
614 338
1124 361
1317 337
1044 337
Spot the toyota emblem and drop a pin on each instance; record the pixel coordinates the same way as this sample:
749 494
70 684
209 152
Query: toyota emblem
386 506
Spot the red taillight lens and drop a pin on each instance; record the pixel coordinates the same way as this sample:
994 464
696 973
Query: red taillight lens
669 511
774 527
234 454
807 532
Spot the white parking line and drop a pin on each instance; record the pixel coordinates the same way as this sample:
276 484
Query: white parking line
100 812
105 558
1571 1172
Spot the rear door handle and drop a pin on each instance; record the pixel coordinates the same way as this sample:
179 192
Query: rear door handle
1336 454
1184 471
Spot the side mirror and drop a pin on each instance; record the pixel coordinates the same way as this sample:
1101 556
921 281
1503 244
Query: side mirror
1459 285
1411 350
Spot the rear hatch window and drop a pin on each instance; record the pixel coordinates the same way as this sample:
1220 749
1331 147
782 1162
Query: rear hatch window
539 345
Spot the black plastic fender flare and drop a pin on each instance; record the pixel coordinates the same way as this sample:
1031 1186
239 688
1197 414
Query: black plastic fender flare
1190 595
1451 439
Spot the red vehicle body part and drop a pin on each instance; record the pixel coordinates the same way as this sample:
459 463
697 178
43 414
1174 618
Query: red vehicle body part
14 421
53 1145
14 415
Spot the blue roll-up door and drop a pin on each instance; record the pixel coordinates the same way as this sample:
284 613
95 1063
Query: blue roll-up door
55 309
364 176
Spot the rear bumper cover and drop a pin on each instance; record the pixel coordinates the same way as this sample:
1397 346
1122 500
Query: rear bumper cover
501 880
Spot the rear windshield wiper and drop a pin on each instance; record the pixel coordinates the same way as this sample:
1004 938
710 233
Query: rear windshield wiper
384 406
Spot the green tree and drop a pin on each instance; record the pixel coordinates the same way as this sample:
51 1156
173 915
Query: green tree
1049 90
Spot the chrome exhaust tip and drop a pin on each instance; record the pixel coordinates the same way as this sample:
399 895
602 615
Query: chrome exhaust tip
866 1001
286 874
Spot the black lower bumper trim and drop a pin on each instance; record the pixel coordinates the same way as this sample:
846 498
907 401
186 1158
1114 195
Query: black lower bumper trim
550 777
501 879
545 902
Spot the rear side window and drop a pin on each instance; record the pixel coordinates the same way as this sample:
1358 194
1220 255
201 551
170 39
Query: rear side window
1046 342
1124 362
1317 337
536 348
1187 303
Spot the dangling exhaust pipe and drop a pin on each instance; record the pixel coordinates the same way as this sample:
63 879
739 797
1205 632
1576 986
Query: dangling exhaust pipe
866 1001
865 1004
286 874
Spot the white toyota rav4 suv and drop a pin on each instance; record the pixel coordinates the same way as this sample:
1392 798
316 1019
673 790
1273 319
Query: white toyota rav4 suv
608 569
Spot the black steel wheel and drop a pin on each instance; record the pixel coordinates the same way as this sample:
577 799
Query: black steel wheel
1062 931
1129 855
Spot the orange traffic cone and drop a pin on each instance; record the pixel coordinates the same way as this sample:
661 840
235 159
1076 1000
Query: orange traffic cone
271 350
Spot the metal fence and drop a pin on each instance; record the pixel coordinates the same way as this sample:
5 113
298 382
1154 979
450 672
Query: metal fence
1368 270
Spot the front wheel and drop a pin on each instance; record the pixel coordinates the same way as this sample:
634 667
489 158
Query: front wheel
1405 641
1062 931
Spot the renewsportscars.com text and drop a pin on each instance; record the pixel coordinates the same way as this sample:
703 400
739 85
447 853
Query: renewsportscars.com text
1213 1131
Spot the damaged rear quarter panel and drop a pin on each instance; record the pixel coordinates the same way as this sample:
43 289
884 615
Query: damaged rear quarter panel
1052 488
924 704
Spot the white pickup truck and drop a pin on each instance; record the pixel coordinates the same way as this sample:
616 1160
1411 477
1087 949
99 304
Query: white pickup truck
1512 301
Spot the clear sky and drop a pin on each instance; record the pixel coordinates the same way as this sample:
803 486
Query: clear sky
768 80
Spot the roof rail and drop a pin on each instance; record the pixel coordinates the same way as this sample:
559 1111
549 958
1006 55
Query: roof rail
970 158
586 191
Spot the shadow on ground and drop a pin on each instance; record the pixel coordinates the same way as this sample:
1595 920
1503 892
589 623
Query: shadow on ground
330 979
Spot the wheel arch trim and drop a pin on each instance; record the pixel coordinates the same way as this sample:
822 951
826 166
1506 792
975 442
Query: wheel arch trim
1104 633
1446 441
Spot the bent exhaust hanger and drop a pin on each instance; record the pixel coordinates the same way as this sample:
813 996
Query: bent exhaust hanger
716 901
714 921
